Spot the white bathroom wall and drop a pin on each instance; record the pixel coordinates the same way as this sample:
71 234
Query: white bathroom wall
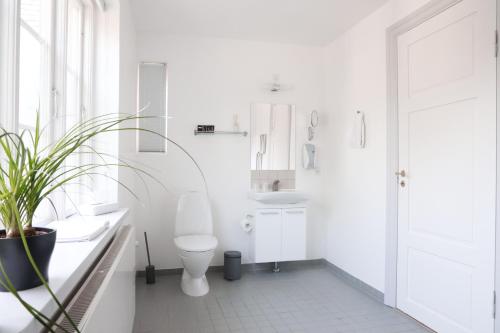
210 80
355 179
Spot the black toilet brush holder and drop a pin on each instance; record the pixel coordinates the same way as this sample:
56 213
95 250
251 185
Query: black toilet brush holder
150 269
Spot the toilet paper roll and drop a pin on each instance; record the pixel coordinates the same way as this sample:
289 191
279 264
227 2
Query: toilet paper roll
247 224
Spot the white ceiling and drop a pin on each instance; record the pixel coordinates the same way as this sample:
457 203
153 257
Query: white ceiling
315 22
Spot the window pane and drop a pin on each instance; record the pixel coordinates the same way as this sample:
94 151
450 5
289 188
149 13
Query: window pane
74 50
36 15
31 12
30 76
34 69
73 63
34 64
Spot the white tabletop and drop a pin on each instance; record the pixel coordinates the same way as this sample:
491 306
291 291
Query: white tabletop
69 263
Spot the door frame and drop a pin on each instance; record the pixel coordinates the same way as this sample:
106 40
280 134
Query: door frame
497 227
431 9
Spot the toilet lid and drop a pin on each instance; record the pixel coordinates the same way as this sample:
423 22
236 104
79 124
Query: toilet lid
196 243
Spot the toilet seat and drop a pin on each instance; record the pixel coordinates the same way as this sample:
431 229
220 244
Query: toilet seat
196 243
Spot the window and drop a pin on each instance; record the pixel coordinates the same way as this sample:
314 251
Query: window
54 77
152 102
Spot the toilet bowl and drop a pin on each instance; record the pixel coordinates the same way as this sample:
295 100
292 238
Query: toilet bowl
194 241
196 253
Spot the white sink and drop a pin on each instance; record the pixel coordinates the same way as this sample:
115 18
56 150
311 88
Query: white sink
277 198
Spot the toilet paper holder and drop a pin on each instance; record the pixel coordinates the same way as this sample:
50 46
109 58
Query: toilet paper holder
247 223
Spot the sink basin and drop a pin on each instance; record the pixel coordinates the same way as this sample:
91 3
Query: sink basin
280 197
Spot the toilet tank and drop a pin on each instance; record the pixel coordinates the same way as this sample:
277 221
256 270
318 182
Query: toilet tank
194 215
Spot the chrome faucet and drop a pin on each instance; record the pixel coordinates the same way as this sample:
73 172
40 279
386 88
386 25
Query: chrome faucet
276 185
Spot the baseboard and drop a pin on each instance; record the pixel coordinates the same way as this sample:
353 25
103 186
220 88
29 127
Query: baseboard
287 265
291 265
355 282
162 272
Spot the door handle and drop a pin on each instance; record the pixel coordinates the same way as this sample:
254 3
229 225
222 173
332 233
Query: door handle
401 173
295 212
269 213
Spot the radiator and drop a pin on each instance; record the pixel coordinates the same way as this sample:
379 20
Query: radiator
105 301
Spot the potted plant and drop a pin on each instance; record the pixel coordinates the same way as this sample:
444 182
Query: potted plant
20 195
29 174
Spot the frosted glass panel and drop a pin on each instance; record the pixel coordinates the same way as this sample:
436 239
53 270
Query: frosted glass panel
153 106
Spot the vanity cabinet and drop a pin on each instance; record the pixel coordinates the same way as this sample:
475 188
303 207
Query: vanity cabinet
280 234
293 240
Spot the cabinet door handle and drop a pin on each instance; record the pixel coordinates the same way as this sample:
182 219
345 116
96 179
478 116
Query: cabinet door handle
295 212
269 213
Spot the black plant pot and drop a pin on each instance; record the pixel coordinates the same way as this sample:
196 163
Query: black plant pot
16 263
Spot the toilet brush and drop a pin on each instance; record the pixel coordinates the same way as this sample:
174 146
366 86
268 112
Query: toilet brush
150 269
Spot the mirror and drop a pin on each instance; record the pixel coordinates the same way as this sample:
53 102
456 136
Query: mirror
272 137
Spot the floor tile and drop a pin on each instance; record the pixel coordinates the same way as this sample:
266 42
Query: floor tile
299 301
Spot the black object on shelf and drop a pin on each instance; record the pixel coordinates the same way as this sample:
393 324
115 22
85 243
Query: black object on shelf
210 130
150 269
206 129
232 265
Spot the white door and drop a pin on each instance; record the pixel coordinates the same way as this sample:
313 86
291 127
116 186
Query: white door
294 234
268 235
447 139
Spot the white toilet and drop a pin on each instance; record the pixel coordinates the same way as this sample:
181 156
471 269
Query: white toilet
194 241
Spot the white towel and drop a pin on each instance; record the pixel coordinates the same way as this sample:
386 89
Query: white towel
98 208
358 134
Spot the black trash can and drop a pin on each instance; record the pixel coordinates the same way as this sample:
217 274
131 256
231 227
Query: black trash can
232 265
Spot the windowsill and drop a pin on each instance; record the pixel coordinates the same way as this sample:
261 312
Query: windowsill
69 263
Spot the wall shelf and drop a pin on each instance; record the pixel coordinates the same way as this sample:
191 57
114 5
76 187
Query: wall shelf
244 133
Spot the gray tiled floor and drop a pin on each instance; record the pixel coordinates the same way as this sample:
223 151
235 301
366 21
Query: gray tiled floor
301 300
